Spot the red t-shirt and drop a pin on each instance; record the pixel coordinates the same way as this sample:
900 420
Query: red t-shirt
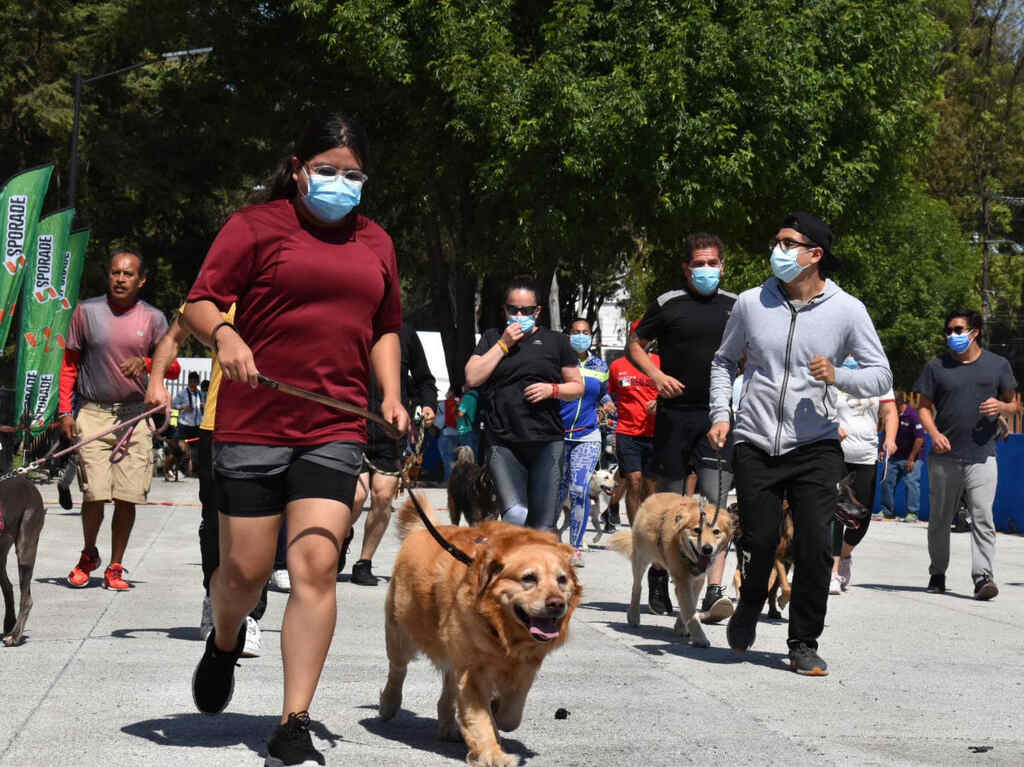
311 304
632 390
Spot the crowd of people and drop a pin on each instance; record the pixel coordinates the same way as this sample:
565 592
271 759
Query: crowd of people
780 391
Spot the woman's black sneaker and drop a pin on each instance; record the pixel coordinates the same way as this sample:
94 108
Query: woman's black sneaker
805 660
937 584
362 574
657 591
344 549
213 682
291 744
742 628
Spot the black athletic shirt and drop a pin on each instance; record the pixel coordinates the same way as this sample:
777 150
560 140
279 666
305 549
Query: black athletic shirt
688 328
538 357
958 389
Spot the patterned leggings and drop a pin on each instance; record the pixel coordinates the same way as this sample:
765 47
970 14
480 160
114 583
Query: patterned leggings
580 462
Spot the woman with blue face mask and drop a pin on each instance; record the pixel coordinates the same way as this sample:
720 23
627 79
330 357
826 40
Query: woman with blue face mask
318 306
582 434
525 372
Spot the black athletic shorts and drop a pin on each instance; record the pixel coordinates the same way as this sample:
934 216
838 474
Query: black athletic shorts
681 441
383 454
634 453
268 495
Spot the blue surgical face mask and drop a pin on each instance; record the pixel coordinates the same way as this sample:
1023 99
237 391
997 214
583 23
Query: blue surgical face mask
526 321
851 363
580 342
959 343
784 263
329 198
705 279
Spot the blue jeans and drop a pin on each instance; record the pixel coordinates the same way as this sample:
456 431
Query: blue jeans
898 469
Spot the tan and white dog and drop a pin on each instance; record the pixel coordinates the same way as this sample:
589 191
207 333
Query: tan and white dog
681 534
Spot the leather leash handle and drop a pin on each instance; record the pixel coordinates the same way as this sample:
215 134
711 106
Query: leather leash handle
345 407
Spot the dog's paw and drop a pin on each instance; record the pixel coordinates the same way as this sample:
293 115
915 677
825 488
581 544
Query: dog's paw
449 732
12 641
699 640
492 758
680 628
633 616
390 703
784 598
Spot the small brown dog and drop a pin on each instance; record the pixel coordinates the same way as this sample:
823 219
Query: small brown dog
779 589
487 627
471 494
682 534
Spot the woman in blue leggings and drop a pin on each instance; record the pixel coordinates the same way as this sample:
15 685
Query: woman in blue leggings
582 434
525 371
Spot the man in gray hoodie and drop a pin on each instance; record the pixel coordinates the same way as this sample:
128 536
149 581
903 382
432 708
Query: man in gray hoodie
795 330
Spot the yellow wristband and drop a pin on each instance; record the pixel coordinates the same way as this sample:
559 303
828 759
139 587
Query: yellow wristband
502 345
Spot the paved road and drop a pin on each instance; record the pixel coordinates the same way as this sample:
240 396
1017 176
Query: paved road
917 679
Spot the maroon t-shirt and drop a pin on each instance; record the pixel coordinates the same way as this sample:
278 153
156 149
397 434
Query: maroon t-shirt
311 304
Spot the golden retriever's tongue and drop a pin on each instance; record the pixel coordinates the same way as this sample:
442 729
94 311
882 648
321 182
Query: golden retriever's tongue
544 629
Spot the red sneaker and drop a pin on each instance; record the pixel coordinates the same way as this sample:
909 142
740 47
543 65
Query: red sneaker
79 576
113 578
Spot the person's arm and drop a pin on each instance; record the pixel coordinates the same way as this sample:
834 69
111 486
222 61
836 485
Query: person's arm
873 376
571 387
723 371
386 360
926 412
202 318
164 355
424 383
68 378
890 418
480 367
915 450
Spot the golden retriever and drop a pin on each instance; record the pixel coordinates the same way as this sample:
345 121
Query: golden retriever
487 627
683 535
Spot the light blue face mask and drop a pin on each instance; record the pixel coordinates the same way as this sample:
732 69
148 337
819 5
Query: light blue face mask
959 342
580 342
851 363
330 199
705 279
526 321
784 264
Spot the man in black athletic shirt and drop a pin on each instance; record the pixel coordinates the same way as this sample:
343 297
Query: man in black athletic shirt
688 326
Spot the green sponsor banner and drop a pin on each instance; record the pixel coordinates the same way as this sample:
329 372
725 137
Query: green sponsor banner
39 353
21 202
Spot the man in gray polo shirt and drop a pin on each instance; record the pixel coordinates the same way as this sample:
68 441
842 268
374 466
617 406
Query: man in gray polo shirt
963 393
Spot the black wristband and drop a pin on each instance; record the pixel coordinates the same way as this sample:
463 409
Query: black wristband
213 333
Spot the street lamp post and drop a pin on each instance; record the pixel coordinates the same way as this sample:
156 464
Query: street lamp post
80 81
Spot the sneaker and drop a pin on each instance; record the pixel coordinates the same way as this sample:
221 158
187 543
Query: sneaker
113 578
835 586
362 574
344 550
292 745
985 589
911 517
657 592
805 660
79 576
716 607
253 639
206 622
213 681
577 558
280 580
937 584
886 514
742 628
845 572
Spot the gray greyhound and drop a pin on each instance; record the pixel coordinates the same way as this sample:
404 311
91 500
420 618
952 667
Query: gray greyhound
22 513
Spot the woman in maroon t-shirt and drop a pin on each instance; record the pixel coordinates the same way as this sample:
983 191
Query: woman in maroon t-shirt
318 298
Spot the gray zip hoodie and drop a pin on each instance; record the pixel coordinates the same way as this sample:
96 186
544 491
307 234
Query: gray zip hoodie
781 406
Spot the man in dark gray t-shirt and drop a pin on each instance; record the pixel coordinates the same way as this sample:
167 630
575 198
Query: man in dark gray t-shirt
963 394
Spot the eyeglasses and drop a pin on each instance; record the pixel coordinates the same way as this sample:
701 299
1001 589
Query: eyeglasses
958 329
788 244
520 310
354 175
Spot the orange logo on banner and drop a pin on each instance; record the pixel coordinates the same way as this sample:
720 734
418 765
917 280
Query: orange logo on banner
31 339
61 342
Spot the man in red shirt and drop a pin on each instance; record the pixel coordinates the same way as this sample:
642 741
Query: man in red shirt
636 398
105 365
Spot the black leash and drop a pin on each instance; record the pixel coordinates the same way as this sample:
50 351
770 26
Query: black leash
405 482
